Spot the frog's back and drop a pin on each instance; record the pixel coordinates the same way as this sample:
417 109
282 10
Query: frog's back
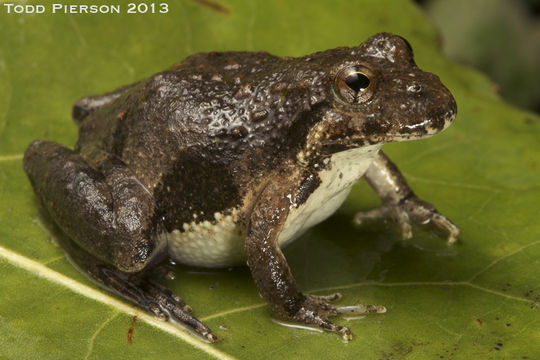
222 104
195 135
190 104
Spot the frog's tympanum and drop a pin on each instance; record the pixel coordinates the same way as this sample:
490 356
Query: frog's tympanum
227 157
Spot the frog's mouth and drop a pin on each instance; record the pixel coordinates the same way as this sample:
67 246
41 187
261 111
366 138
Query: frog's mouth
357 131
429 126
363 131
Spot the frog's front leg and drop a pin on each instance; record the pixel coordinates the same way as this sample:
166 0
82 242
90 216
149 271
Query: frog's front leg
110 219
400 203
272 273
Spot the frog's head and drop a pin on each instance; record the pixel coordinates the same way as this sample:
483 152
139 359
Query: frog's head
378 95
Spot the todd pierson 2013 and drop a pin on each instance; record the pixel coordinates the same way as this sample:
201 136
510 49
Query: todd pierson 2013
57 8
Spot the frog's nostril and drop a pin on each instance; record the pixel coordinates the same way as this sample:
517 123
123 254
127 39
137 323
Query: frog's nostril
414 88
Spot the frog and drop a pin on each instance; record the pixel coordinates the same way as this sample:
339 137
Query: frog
226 157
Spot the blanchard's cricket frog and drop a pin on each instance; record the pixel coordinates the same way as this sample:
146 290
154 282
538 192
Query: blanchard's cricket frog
226 157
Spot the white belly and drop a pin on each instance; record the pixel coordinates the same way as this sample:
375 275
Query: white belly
222 244
209 245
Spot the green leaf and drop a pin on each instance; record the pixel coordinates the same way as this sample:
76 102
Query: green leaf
476 299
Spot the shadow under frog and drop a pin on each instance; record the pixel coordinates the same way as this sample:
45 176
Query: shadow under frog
227 157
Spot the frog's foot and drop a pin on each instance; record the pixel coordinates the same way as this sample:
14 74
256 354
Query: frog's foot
410 210
154 298
315 310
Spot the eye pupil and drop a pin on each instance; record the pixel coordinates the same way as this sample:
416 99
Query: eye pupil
357 81
355 84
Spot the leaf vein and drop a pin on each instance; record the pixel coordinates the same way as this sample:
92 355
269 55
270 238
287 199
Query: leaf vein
96 333
454 184
232 311
13 157
498 260
448 331
427 283
46 273
373 283
78 32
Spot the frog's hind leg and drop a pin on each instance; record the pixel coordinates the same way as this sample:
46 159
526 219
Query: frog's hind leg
104 208
141 288
109 217
85 106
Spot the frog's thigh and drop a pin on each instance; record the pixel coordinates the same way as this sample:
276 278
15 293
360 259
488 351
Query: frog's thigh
108 213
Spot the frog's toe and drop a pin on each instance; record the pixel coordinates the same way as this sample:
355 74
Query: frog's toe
344 331
363 217
361 309
315 310
393 212
317 315
422 212
163 271
156 299
176 309
407 211
443 223
327 298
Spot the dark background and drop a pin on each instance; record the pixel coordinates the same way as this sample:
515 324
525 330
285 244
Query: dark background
499 37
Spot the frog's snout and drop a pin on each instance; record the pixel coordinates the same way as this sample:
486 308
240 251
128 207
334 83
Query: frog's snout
430 106
443 110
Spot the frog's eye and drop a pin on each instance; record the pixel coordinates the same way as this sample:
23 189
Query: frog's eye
354 84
